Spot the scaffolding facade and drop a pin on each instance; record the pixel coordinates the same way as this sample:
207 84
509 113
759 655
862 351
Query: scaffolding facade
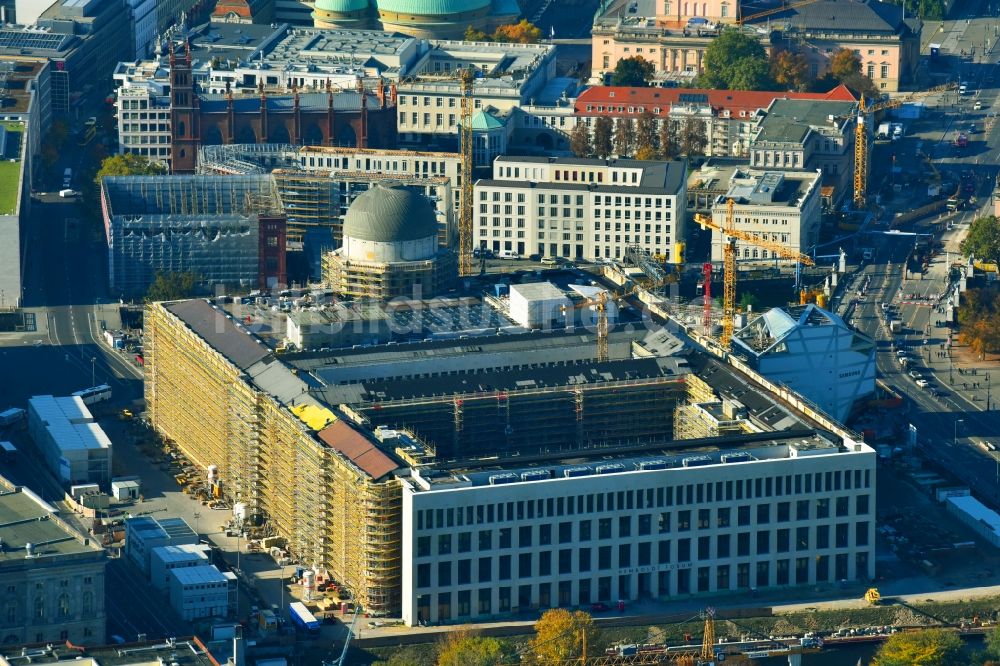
385 281
537 420
205 225
703 414
331 513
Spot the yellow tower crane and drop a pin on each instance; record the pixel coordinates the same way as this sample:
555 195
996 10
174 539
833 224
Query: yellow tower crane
600 304
773 10
467 79
862 146
731 235
708 637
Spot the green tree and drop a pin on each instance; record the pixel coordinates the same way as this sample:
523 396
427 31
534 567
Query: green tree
748 300
559 636
735 60
463 648
843 63
579 140
624 137
473 35
645 131
128 164
170 287
635 71
789 69
603 144
693 137
992 642
930 647
983 239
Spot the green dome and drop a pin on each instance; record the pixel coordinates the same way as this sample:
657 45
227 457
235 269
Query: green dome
431 7
341 6
390 214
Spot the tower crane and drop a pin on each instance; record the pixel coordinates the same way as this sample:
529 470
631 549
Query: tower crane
861 144
467 79
731 235
600 304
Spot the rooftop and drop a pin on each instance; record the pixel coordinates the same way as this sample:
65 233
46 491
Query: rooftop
626 101
771 188
69 422
183 553
26 519
199 575
656 175
190 652
867 17
667 456
790 120
767 331
147 527
220 331
359 449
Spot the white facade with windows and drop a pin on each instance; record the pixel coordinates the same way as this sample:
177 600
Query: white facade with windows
773 513
200 592
778 206
581 208
143 112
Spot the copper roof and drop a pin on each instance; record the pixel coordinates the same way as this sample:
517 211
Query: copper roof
342 437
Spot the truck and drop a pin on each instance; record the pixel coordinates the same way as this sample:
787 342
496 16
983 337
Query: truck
883 132
897 131
962 141
267 620
302 618
11 416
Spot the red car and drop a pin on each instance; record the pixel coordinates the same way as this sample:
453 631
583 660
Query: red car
599 607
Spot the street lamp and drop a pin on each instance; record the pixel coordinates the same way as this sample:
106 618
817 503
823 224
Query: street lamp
955 438
93 371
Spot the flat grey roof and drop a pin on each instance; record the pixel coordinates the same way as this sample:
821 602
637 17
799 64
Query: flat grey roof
25 518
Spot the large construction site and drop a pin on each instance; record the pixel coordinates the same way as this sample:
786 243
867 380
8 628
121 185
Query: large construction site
318 444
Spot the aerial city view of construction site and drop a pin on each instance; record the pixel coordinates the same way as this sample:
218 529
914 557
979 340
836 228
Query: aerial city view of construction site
498 332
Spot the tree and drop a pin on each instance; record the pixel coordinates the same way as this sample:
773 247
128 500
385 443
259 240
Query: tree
579 140
983 239
603 128
473 35
635 71
735 60
992 642
979 321
559 636
624 137
693 138
170 287
789 69
843 63
464 648
645 132
128 164
861 85
524 32
667 147
930 647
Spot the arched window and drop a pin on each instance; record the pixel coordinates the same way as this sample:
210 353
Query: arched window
180 128
40 607
11 612
63 605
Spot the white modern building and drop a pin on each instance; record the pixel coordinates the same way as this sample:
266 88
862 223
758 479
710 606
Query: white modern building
164 559
74 446
200 592
778 206
813 352
582 208
145 533
538 305
144 25
760 510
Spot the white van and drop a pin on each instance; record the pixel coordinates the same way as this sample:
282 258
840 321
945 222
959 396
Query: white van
508 254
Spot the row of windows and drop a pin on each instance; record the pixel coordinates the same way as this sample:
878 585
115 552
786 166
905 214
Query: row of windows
568 561
628 227
630 500
369 164
569 532
688 580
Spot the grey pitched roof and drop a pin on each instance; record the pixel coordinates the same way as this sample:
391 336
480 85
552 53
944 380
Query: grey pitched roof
347 100
789 120
219 332
866 16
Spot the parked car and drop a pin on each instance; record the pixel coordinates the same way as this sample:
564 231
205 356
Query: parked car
914 374
923 383
68 193
550 261
599 607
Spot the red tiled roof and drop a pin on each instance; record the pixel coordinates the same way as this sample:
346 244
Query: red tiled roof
342 437
735 101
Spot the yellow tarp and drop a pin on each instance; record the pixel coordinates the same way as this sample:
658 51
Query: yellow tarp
315 417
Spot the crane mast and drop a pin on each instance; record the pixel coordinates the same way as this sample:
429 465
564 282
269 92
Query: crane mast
465 144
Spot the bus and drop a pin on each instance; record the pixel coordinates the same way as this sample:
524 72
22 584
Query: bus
94 394
86 135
